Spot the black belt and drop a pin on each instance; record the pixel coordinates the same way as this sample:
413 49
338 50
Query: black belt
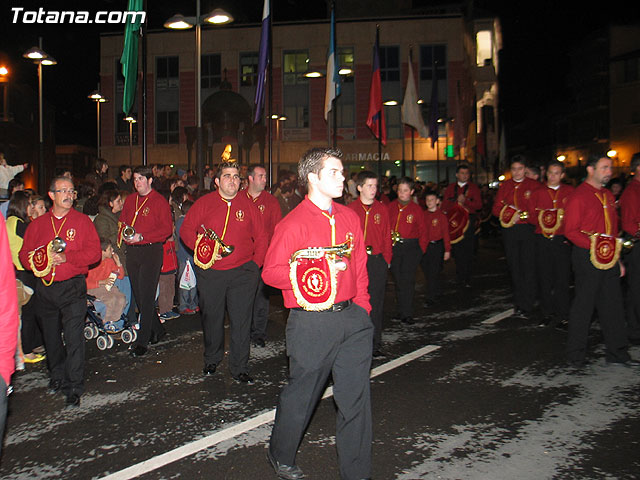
336 307
138 245
407 241
436 241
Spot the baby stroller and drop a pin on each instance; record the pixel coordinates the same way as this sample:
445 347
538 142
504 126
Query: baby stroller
94 328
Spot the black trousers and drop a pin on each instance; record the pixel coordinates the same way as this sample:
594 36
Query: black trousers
404 264
519 248
554 271
63 306
463 251
31 329
234 289
377 269
632 262
598 290
4 402
318 345
260 310
144 263
432 262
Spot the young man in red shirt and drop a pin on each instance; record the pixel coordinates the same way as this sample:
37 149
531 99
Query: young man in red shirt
406 219
630 213
591 224
226 279
465 193
149 213
62 291
270 214
329 331
374 220
512 206
438 247
553 253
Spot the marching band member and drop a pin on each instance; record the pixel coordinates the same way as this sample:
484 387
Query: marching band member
270 214
461 203
145 223
329 331
438 247
409 240
591 224
630 213
374 220
554 252
225 232
58 247
512 206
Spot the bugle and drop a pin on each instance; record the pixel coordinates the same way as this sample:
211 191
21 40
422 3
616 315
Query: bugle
225 250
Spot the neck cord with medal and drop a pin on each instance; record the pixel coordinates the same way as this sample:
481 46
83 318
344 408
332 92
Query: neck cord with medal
400 210
216 247
56 234
607 220
366 220
138 208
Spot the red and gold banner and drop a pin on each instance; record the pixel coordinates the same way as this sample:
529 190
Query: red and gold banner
550 221
509 216
314 282
604 251
458 218
205 251
40 260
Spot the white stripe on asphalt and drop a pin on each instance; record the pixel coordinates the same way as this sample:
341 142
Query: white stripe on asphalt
498 317
242 427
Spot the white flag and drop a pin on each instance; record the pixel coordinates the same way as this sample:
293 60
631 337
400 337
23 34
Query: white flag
411 113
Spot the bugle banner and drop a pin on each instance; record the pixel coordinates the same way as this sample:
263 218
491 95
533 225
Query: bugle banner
458 219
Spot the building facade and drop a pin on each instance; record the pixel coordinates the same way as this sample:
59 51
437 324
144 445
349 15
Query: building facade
459 53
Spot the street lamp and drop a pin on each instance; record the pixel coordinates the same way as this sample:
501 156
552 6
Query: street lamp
40 57
180 22
278 118
4 79
131 121
98 98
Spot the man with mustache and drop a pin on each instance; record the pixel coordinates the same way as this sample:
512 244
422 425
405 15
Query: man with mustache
62 290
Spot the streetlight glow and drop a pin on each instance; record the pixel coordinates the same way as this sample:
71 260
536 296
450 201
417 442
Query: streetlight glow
612 153
4 71
218 17
178 22
561 158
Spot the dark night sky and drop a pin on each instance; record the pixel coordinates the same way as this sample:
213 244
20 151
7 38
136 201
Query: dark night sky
534 66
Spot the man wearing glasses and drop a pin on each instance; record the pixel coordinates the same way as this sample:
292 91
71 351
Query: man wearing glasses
147 215
59 246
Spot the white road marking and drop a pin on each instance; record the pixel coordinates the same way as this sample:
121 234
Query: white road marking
496 318
179 453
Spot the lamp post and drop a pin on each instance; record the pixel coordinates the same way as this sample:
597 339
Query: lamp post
4 79
39 57
180 22
278 118
98 98
131 121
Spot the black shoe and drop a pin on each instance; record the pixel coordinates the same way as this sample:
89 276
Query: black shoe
285 472
137 350
379 354
156 337
546 321
408 321
627 363
396 318
562 325
54 386
259 343
244 378
519 313
73 400
428 303
209 369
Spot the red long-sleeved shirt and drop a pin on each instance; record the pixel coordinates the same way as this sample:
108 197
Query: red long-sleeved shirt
75 228
102 272
630 207
517 194
307 227
154 220
269 209
585 212
374 220
408 221
437 225
546 198
244 228
472 197
9 320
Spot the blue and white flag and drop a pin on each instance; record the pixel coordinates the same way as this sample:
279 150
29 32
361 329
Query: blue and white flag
333 75
263 61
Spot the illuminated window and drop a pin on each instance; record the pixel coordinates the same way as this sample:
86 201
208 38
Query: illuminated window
295 95
484 49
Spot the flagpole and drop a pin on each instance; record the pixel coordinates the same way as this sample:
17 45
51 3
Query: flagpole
270 80
334 107
380 119
403 153
143 30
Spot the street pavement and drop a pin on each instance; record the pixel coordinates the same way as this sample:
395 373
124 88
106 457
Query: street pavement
468 392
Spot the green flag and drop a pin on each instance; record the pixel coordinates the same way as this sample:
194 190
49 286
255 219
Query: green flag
129 59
